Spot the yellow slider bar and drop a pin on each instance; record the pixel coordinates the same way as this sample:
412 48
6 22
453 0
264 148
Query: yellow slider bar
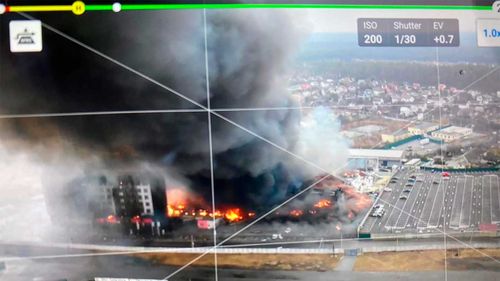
44 8
78 8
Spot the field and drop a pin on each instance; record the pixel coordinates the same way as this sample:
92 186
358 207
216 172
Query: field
431 260
404 261
306 262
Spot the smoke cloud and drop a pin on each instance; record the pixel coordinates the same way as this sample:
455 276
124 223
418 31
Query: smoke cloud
249 55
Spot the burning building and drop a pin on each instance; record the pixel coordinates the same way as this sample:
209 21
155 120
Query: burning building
249 57
111 200
330 200
135 196
126 198
186 206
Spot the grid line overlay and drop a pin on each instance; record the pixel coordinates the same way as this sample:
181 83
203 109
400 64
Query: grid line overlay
444 186
194 110
209 119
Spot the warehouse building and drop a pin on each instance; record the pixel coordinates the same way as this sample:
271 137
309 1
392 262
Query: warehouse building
423 128
395 137
451 133
374 158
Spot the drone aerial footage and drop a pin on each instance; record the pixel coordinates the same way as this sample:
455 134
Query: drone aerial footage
249 140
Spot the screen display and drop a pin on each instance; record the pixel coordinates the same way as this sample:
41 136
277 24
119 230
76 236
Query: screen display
256 140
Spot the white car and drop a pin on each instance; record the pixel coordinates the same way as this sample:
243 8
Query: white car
277 236
378 212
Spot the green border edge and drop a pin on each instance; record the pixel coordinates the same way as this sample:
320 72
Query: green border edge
136 7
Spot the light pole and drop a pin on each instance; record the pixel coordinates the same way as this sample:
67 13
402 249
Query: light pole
339 228
341 238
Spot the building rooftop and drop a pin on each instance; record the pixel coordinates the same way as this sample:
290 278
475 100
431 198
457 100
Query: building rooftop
412 162
390 154
455 130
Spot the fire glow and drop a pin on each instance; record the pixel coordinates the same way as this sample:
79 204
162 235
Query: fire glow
182 203
185 205
233 215
296 213
323 203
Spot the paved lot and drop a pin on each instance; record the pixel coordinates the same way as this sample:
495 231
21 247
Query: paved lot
417 148
460 203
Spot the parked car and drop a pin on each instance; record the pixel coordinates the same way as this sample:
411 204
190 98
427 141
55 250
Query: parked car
378 212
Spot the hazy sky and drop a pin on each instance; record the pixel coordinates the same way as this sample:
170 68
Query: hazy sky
335 20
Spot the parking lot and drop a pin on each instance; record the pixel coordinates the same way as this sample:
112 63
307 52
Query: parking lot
460 203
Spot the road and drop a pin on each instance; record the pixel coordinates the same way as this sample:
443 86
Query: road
81 269
10 251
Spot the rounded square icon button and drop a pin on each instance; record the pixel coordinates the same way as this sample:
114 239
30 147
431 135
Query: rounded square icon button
496 6
25 36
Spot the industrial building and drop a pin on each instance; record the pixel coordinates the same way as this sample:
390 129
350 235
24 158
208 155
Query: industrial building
396 136
423 128
374 158
451 133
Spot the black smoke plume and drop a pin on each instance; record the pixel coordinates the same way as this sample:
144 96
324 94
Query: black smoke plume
249 57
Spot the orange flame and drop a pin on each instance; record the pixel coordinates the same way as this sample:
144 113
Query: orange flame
182 202
203 213
362 203
296 213
233 215
174 212
177 196
356 201
112 219
218 214
323 203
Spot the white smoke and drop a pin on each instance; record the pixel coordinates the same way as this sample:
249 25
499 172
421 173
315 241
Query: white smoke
23 212
320 143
